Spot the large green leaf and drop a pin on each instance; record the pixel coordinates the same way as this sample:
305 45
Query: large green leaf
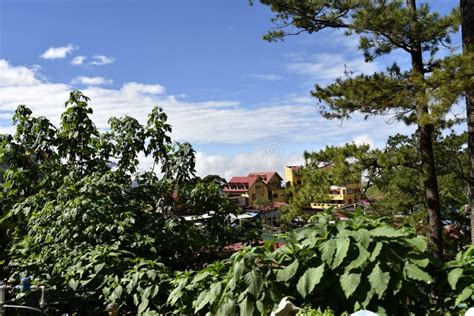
246 307
328 248
453 277
418 243
379 280
412 271
349 283
254 281
288 272
342 246
228 308
388 232
309 280
376 252
465 294
360 260
201 301
362 236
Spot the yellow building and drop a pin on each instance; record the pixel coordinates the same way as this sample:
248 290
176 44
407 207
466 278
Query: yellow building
340 196
248 188
293 177
276 193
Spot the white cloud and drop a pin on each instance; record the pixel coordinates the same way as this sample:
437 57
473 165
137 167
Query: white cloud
325 67
241 164
58 52
363 139
91 81
17 76
78 60
134 88
100 60
208 122
267 77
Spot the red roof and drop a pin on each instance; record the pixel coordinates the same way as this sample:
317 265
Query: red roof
266 176
240 183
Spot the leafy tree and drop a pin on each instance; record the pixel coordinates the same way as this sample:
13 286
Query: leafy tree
411 96
80 219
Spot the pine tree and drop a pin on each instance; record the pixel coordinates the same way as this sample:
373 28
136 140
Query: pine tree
383 26
467 21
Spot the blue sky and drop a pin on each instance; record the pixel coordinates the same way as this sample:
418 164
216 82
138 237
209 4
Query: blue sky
242 102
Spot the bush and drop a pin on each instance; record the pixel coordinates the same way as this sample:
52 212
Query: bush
343 266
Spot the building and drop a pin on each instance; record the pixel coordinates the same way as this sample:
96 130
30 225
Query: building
276 193
293 176
340 196
246 190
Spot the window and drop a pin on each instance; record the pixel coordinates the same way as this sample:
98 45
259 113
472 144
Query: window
275 195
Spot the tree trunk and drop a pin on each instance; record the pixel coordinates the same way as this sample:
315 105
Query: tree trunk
467 22
425 134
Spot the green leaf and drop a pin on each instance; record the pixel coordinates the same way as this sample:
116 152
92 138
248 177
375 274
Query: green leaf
453 277
418 243
360 260
99 267
288 272
254 282
228 308
465 294
246 307
214 292
363 237
388 232
143 306
421 262
342 246
376 251
327 251
73 284
379 280
349 283
201 301
412 271
118 291
309 280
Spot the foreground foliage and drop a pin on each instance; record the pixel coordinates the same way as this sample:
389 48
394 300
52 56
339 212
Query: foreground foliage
78 217
344 266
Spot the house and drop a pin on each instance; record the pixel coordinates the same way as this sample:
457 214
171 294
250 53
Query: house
340 196
293 176
246 190
276 193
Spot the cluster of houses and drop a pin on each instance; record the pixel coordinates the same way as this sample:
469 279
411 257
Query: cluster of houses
257 187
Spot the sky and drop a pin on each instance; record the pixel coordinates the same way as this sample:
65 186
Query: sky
243 103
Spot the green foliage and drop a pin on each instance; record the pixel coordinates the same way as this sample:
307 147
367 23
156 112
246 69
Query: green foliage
461 279
344 266
308 311
79 218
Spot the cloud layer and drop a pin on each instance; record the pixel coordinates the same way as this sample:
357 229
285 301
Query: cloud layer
275 125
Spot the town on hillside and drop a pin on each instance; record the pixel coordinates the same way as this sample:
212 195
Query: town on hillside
260 195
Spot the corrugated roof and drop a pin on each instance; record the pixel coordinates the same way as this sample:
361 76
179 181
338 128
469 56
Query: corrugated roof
240 183
266 176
